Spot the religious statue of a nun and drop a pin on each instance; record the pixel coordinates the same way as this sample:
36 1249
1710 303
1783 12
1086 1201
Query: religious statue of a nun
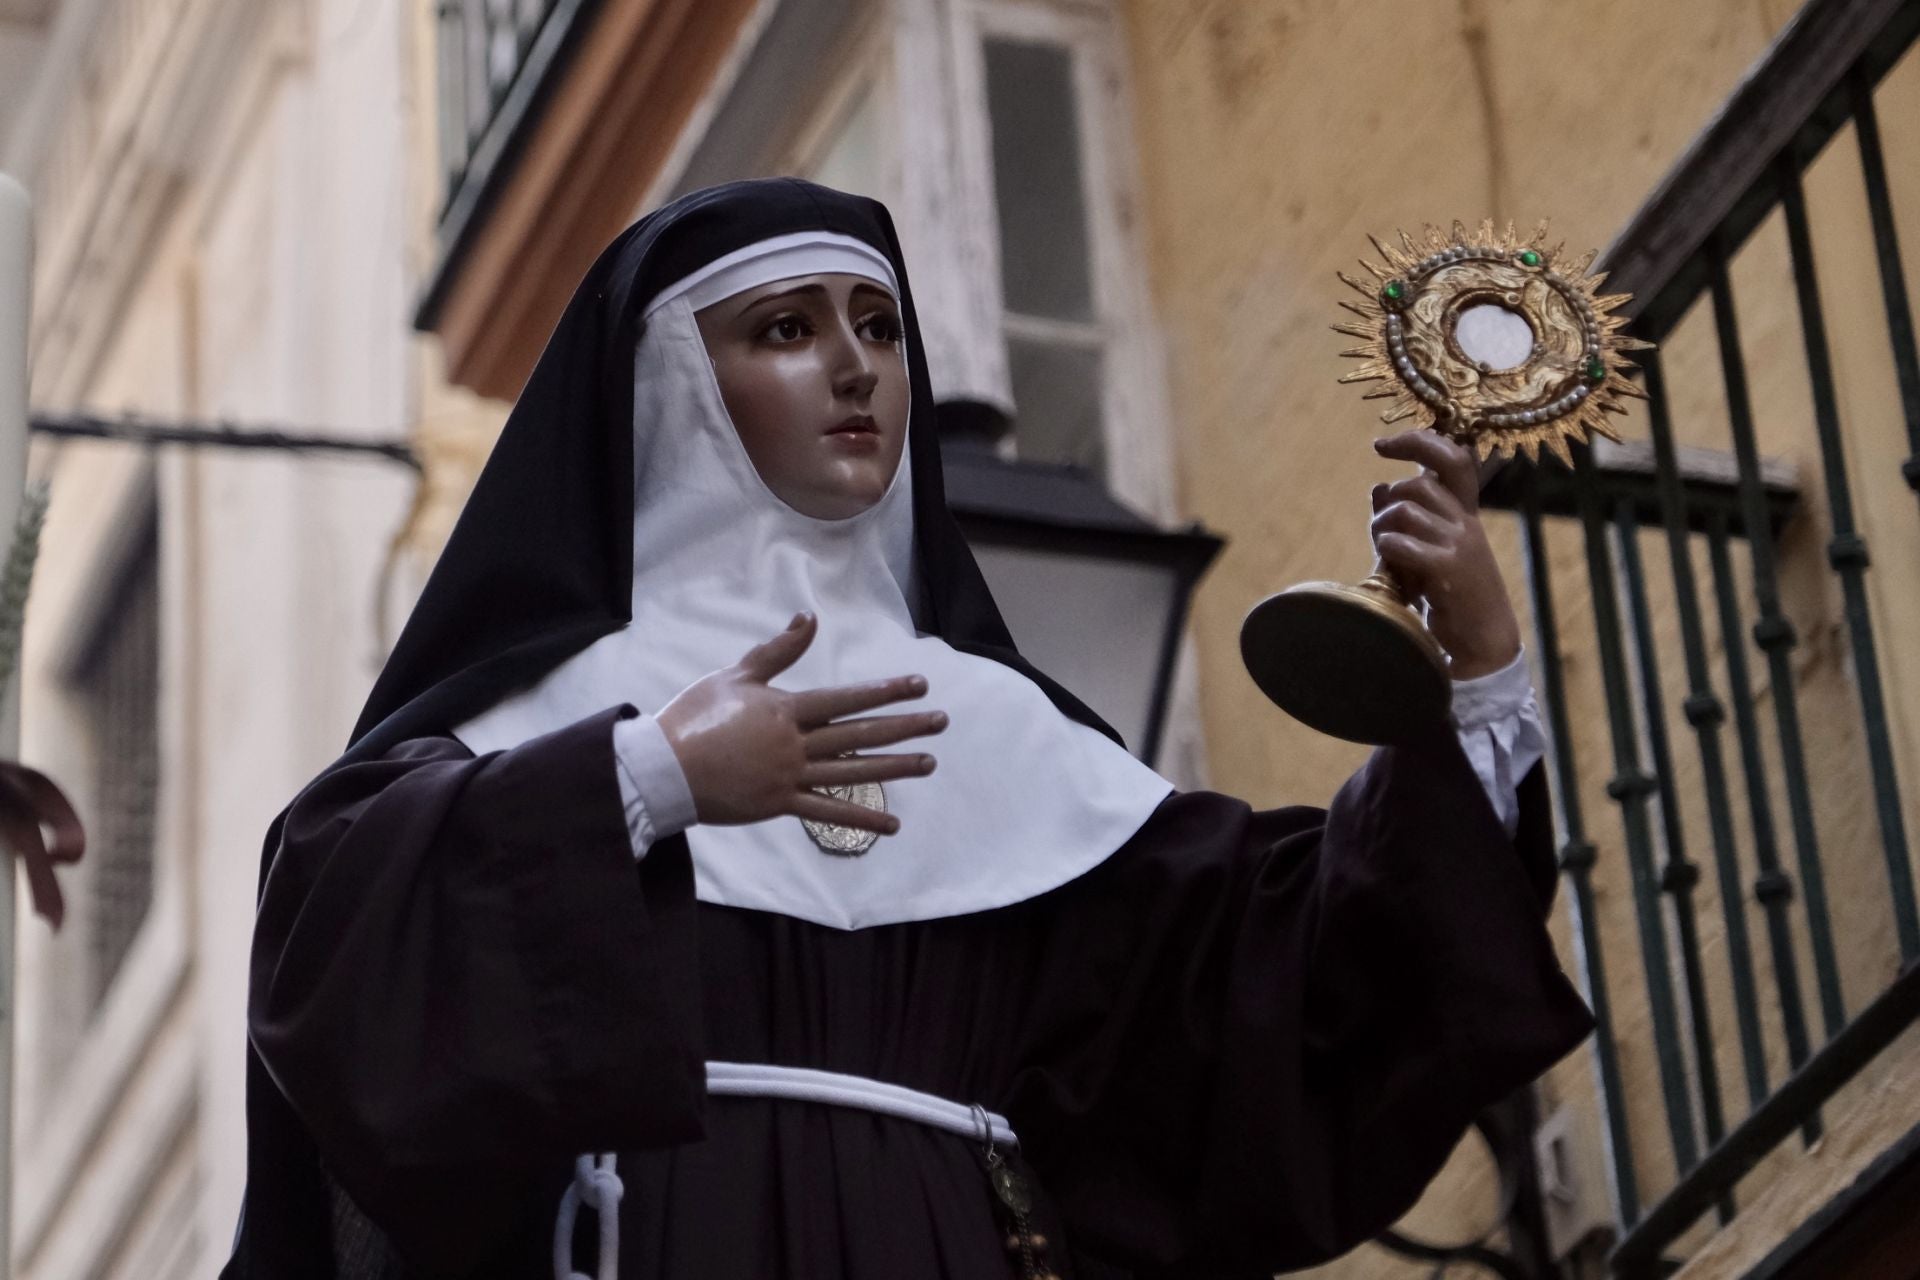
620 944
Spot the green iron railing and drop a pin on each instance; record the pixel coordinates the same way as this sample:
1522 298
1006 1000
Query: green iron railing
1674 257
498 60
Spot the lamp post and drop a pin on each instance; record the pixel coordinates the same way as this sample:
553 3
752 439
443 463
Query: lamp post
1094 594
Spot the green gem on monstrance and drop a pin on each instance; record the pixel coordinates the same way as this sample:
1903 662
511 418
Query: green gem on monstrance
1596 369
1530 257
1393 293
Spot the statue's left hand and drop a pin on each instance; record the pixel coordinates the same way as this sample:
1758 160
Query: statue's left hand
1427 529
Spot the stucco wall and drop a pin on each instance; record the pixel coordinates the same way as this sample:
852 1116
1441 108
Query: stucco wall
269 288
1275 134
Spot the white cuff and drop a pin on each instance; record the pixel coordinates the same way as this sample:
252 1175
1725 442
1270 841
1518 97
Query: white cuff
653 789
1499 726
1484 699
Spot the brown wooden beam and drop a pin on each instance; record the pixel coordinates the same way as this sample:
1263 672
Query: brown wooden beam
588 161
1868 1231
1723 174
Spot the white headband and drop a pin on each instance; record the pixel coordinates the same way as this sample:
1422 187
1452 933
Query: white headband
800 253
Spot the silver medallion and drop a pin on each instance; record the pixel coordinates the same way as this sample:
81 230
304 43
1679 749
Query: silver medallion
1011 1186
844 841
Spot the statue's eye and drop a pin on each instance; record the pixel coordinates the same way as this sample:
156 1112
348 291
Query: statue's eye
882 327
786 329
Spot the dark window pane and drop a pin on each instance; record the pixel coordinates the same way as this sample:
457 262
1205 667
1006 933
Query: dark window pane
1044 267
118 686
1056 403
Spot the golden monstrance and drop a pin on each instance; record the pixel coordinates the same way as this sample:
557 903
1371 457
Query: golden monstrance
1491 340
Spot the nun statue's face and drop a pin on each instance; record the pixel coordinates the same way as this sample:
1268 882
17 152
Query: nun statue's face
813 373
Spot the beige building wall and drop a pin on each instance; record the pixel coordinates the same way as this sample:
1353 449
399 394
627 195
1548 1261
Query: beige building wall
1275 135
1272 135
222 233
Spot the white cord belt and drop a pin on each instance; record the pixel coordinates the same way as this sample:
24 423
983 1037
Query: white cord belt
803 1084
596 1186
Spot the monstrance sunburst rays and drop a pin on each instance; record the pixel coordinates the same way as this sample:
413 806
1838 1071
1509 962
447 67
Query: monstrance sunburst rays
1570 380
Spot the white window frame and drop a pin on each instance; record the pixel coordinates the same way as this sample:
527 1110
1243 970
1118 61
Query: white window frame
1135 416
116 1064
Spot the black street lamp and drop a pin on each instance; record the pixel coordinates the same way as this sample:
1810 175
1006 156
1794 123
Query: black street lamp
1095 594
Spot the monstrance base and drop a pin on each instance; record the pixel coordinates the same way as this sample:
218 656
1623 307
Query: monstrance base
1353 662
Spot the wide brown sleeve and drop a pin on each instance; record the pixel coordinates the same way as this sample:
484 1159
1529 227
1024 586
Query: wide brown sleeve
461 979
1256 1036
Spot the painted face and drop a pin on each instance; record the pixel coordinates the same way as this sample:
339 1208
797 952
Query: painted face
813 372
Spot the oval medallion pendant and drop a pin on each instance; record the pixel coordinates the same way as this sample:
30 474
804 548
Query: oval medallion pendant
842 841
1012 1188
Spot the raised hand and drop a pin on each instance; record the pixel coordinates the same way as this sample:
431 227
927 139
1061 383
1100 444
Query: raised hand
752 752
1427 529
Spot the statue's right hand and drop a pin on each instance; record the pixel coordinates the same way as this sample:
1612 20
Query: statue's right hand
752 752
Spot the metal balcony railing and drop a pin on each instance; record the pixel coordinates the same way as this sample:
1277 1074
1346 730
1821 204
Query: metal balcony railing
496 60
1745 171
